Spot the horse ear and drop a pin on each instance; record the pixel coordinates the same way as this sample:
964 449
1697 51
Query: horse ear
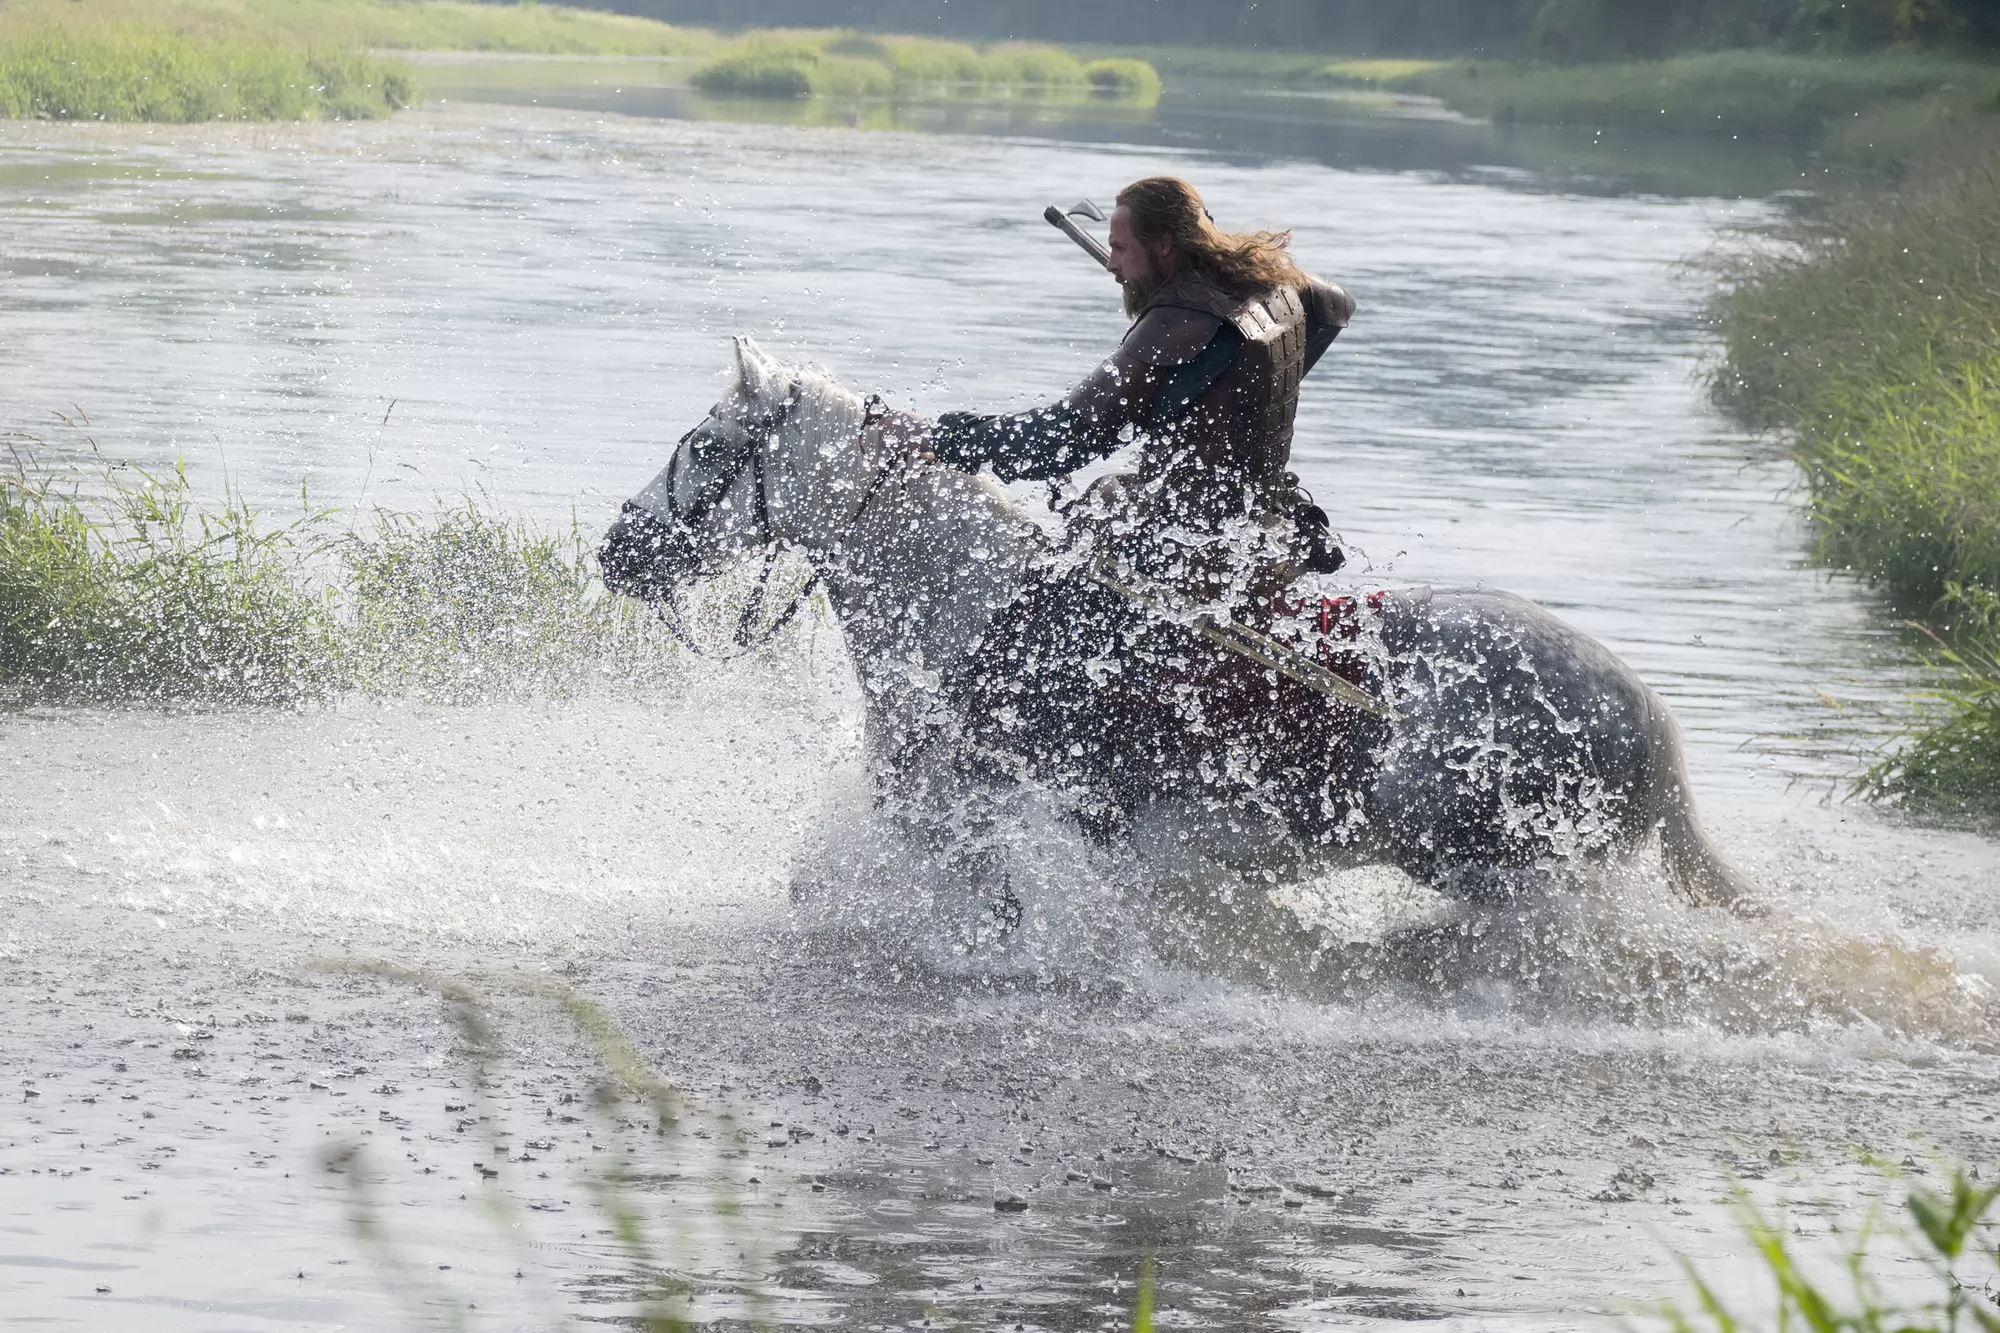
753 368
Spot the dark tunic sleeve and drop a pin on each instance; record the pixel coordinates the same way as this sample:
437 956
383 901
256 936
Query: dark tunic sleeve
1056 440
1025 446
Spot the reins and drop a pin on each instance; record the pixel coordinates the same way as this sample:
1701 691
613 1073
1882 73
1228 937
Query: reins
748 637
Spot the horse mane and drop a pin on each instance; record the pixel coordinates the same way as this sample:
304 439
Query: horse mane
823 397
818 389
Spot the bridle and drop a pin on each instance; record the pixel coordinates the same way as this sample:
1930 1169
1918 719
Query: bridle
686 520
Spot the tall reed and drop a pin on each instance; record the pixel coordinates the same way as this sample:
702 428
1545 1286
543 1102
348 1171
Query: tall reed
149 597
198 60
361 25
1886 291
460 605
661 1273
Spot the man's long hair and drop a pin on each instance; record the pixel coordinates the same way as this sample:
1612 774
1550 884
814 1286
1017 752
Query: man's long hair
1235 261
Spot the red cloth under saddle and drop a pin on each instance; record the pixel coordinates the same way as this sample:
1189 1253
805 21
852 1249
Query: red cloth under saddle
1221 708
1338 618
1089 689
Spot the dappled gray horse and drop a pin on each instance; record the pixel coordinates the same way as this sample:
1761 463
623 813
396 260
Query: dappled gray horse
1519 750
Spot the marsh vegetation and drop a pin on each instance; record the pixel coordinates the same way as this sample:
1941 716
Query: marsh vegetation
354 25
150 60
1867 336
137 73
1951 1240
137 592
320 59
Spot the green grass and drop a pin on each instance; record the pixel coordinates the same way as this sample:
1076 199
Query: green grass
151 598
140 74
1029 65
1886 291
1116 76
771 66
1870 337
459 605
1950 764
1370 73
1873 337
354 25
1904 478
666 1266
1745 93
1952 1244
802 64
140 594
1246 66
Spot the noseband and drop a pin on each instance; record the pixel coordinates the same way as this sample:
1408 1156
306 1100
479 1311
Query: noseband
683 521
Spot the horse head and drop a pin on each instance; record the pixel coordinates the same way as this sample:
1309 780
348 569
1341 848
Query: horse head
712 501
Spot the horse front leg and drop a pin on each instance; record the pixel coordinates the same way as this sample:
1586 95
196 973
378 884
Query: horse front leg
952 806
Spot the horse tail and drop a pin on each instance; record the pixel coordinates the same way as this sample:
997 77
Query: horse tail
1694 864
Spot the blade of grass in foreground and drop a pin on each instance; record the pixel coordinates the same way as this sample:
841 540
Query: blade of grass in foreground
1948 1228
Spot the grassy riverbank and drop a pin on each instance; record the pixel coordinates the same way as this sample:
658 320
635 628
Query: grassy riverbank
1897 101
195 60
141 74
291 59
322 59
356 25
1871 338
1742 93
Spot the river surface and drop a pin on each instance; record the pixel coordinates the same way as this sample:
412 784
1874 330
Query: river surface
209 1119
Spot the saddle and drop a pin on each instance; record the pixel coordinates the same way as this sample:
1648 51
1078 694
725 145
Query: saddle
1092 693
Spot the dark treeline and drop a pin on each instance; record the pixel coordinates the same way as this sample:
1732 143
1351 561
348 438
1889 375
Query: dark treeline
1545 29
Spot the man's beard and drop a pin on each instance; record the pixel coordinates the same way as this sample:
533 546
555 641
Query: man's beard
1139 293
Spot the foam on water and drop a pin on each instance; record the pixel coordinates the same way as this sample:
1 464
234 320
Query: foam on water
745 793
1616 945
484 823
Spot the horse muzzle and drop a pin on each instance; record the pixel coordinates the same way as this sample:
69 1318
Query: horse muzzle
645 556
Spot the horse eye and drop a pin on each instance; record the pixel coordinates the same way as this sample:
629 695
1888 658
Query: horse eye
701 441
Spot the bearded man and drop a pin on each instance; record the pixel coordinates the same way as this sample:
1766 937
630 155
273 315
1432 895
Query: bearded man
1206 379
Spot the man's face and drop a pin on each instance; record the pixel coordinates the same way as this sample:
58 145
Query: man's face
1138 270
1129 260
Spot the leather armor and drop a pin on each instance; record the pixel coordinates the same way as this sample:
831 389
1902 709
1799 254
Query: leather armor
1236 431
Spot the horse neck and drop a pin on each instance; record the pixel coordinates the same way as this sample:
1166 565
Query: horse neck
917 558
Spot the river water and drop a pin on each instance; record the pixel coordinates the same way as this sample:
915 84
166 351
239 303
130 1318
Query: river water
211 1120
